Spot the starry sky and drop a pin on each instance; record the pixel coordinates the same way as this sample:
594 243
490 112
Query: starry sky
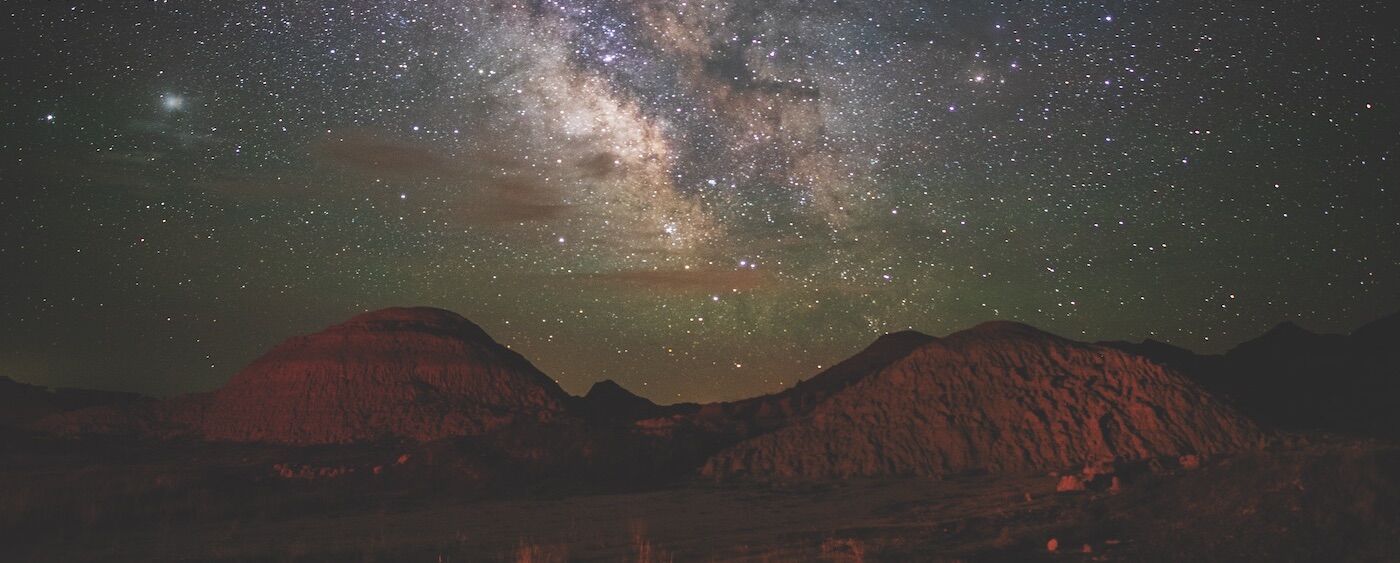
701 200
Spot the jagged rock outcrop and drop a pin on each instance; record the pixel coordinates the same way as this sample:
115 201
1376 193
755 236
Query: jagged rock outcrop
401 373
999 397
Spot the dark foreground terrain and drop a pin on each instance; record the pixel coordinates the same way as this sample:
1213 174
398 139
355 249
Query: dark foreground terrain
1313 498
410 434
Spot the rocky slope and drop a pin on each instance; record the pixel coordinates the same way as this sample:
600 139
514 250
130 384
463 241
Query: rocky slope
401 373
999 397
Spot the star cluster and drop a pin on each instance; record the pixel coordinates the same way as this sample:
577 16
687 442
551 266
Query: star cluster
700 200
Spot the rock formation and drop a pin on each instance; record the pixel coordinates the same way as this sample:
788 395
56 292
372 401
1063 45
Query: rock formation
401 373
999 397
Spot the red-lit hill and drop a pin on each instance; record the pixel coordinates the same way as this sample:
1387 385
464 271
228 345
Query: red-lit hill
402 373
1001 396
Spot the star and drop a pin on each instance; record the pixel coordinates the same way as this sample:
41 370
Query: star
679 145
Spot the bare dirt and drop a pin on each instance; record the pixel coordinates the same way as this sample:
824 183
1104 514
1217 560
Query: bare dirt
1314 499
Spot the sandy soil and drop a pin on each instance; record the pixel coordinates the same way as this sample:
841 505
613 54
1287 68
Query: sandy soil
1317 499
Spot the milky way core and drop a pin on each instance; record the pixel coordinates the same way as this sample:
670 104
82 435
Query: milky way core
699 200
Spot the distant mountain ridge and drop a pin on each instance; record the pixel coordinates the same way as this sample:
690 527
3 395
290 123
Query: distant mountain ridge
22 402
1295 379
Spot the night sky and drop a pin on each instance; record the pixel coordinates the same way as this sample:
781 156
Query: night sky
702 200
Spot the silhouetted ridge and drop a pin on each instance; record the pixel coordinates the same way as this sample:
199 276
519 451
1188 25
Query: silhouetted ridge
1380 333
1283 336
1294 379
608 400
22 403
1174 357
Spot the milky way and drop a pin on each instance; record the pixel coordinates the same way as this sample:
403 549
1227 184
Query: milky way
698 200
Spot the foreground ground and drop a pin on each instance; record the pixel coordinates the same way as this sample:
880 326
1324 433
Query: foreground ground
1310 499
